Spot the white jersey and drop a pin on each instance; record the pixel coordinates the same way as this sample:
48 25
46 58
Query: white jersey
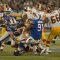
29 15
54 19
40 13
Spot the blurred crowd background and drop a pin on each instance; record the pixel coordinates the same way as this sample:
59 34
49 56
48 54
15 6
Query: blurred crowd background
18 5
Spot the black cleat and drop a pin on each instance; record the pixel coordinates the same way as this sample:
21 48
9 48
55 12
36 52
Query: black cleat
16 53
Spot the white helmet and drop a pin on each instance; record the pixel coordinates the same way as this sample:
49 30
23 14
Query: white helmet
34 10
28 8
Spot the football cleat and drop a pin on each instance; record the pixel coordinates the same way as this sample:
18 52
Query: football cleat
18 53
42 51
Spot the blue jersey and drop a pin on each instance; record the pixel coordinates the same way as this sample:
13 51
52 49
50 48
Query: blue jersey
36 31
6 18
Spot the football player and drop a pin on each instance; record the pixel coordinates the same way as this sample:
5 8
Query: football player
4 35
55 28
43 17
35 35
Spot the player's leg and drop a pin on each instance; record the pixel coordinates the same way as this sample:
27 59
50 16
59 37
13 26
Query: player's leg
50 38
34 48
20 41
12 39
2 46
42 42
42 49
43 38
6 34
3 40
55 38
18 47
33 43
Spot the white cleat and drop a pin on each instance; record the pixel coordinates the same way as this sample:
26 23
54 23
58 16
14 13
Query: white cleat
48 50
35 53
42 51
46 53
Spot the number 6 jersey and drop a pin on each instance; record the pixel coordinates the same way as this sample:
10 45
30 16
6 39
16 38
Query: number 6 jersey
54 19
55 26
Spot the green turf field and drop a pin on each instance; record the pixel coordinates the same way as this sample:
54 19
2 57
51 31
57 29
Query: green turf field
55 55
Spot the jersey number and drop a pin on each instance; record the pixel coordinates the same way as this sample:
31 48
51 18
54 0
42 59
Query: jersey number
55 19
40 27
